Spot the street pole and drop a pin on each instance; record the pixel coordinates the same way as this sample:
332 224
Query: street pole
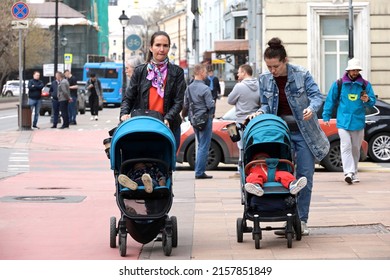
20 80
124 20
56 39
350 31
124 64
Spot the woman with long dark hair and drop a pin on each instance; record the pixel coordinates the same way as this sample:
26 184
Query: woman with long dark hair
157 85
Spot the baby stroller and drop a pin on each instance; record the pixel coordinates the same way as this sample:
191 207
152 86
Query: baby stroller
143 215
269 134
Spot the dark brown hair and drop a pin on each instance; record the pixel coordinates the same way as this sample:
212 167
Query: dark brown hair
275 49
155 34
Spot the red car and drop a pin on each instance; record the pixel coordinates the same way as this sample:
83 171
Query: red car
224 150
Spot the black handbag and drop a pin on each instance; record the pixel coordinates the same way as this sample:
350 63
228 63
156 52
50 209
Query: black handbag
198 122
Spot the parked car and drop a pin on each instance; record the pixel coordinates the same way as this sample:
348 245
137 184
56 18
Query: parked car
12 88
46 99
101 104
377 131
223 150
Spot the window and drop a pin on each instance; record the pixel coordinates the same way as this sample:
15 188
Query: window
334 41
113 3
328 40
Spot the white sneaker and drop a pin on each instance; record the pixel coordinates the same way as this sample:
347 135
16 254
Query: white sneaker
297 185
254 189
348 178
305 229
96 118
92 118
355 179
148 183
127 182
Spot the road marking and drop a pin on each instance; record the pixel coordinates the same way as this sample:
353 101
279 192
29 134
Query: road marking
8 117
19 162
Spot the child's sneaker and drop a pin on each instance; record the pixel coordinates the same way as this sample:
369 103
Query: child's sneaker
297 185
127 182
148 183
254 189
348 178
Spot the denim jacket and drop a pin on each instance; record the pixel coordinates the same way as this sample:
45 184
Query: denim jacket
301 92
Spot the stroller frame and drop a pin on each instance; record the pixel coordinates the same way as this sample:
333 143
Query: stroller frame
272 189
123 154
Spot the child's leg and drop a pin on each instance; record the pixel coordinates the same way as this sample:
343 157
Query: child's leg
284 177
289 182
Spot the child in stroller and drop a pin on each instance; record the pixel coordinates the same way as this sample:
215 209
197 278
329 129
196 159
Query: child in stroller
147 174
258 174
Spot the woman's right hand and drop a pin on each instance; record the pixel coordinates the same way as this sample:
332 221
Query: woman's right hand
253 115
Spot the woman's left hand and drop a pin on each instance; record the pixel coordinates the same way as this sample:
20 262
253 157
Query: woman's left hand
307 114
166 123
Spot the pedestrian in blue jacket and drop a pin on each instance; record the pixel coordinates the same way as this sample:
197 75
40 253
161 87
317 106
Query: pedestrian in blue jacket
352 95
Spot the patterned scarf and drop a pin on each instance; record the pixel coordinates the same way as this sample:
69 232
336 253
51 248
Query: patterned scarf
157 72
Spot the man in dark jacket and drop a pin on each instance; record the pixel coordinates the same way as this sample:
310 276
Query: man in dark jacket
213 83
54 99
35 87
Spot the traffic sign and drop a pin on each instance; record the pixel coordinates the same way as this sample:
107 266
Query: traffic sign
20 10
68 57
133 42
19 24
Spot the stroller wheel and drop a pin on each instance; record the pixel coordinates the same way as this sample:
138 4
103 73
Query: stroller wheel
166 243
113 232
289 236
297 228
122 244
174 231
256 237
240 230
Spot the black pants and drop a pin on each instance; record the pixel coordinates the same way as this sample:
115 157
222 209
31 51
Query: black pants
64 113
94 104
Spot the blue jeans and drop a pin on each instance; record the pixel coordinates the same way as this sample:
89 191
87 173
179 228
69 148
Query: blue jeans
72 109
55 105
204 139
305 167
35 104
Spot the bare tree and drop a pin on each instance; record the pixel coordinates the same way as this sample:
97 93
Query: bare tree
37 43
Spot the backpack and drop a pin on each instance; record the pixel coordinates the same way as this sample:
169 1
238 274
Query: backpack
340 84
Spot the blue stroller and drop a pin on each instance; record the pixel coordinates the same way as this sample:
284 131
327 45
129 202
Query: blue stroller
268 134
143 215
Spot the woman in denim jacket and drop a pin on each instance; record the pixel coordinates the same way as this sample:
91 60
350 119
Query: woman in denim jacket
290 92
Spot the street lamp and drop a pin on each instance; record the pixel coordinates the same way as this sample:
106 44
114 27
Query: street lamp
124 20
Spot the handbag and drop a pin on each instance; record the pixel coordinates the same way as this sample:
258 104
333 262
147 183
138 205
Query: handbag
198 122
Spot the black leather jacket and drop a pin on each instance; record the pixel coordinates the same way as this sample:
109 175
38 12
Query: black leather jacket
137 93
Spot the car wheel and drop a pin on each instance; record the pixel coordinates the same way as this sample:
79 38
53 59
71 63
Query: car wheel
214 156
379 147
8 93
42 112
332 162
